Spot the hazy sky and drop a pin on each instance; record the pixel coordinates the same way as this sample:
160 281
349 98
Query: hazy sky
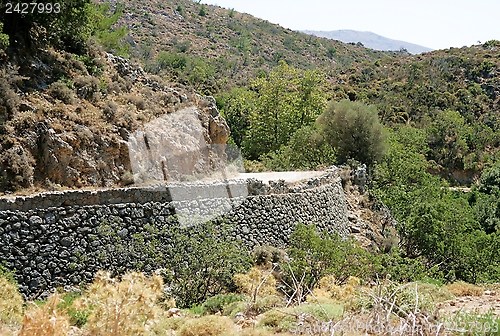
436 24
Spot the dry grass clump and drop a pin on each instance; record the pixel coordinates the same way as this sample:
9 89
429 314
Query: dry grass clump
256 282
210 325
278 321
45 320
328 288
126 307
461 288
255 332
436 293
11 302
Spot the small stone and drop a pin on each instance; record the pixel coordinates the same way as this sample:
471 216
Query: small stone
173 312
66 241
25 107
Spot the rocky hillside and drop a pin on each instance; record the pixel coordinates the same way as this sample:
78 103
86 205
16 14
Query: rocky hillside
212 48
65 120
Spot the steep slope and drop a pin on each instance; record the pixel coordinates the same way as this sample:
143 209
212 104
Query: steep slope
369 40
212 48
65 121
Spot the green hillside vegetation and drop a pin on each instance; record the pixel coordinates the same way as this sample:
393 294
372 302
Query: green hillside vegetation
223 48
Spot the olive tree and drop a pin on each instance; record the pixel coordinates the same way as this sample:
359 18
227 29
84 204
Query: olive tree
354 130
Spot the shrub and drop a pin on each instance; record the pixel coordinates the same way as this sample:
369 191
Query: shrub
202 261
109 109
77 317
353 129
126 307
203 10
210 325
4 38
11 302
279 321
61 91
267 255
489 182
136 100
317 254
264 303
88 87
18 162
8 97
218 302
45 320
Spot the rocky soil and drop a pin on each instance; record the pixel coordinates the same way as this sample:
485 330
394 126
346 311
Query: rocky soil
489 301
74 132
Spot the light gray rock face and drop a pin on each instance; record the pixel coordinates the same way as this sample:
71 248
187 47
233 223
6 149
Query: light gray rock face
63 238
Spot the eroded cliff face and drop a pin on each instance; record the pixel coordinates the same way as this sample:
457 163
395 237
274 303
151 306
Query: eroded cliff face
77 135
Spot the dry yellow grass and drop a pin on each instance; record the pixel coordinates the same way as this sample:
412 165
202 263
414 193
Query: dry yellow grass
127 307
11 302
210 325
461 288
328 288
256 282
45 320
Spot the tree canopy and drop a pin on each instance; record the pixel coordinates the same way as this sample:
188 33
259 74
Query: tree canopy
353 129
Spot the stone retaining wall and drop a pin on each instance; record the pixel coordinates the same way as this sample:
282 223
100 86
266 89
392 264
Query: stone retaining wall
64 238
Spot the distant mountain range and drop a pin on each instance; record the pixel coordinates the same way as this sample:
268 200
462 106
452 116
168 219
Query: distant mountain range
369 40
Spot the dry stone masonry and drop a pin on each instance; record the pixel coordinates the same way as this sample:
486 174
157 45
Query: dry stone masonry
63 238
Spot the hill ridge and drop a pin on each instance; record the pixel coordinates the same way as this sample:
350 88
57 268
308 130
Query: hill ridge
370 40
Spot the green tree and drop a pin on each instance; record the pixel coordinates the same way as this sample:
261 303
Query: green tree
306 149
434 223
354 130
108 37
69 28
448 136
287 99
236 107
203 10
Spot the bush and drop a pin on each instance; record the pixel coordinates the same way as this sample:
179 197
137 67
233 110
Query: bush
77 317
317 254
353 129
211 325
489 182
461 288
306 149
4 38
256 282
218 302
61 91
88 87
267 255
202 261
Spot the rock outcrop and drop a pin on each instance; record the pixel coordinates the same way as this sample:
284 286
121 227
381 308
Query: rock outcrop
82 137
